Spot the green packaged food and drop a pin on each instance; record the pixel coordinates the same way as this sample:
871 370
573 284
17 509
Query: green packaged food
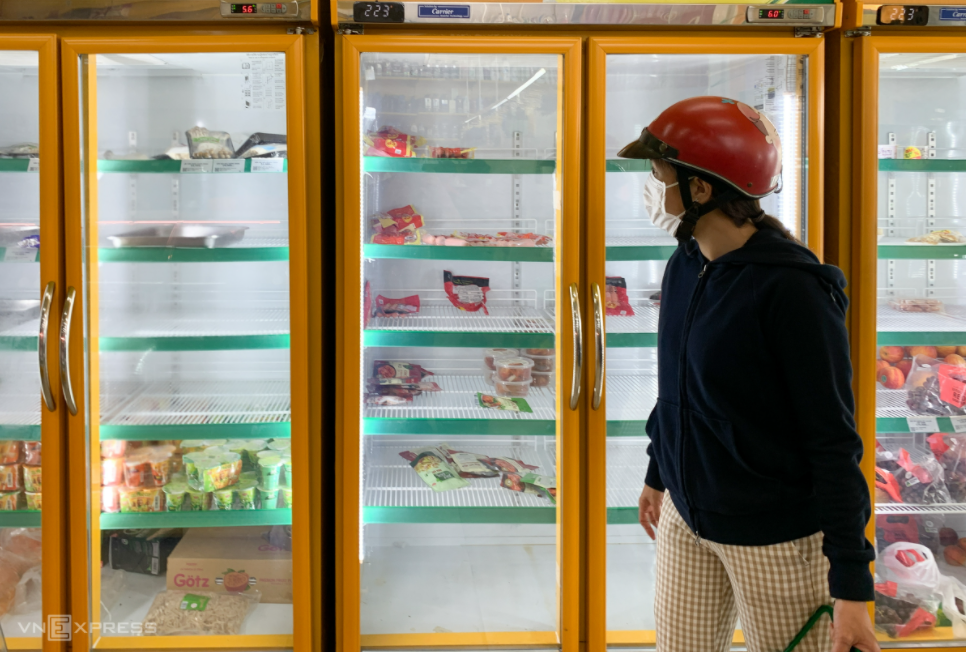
280 444
248 475
223 499
174 494
435 471
506 403
9 501
246 494
253 447
198 499
220 471
141 499
269 497
286 497
287 464
270 468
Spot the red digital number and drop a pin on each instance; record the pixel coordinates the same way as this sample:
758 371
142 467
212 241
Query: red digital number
248 9
773 13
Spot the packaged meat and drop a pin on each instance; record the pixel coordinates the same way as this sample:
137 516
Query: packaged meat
261 145
431 466
511 388
503 403
538 352
397 226
531 483
11 477
543 378
9 501
900 617
391 142
10 452
452 152
542 363
31 453
941 236
138 500
367 307
33 478
513 370
934 388
917 305
398 373
466 292
387 401
180 613
204 143
616 303
510 465
386 307
112 448
489 355
923 483
469 465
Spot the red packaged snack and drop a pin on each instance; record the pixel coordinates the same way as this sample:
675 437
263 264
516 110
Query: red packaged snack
112 471
466 292
9 452
110 500
397 373
615 298
386 307
451 152
896 528
10 477
31 453
389 141
397 226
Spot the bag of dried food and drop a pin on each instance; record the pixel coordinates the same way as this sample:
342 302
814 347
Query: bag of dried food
199 613
915 482
203 143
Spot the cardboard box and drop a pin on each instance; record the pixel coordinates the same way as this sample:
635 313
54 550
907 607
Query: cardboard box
231 560
140 551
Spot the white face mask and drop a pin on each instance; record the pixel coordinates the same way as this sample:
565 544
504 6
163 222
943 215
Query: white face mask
654 193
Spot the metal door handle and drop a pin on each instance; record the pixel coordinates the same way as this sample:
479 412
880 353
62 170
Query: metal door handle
599 345
65 351
578 346
42 346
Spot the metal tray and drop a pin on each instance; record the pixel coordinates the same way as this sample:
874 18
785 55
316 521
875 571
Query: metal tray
193 236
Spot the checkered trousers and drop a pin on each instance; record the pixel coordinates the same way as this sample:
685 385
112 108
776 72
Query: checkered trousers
702 587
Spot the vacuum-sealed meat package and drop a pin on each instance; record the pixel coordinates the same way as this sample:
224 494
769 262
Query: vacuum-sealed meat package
466 292
389 141
203 143
394 372
950 451
433 469
261 145
470 465
616 303
397 226
901 616
387 307
531 483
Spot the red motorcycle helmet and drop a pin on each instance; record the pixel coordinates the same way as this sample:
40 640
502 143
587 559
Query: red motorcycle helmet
717 136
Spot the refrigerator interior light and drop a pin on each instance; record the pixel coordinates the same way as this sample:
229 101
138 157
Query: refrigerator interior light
18 59
128 60
537 75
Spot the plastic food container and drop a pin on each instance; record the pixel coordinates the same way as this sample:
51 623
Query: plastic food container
110 500
544 378
280 444
190 462
111 448
9 501
270 468
161 468
287 463
35 501
174 495
31 453
33 479
253 447
246 494
141 500
542 362
136 471
220 471
488 376
513 370
286 497
198 500
511 388
490 355
10 477
269 498
541 352
917 305
223 499
9 452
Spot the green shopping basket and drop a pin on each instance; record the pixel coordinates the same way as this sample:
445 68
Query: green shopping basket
824 609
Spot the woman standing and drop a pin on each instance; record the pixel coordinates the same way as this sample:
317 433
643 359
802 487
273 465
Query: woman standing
753 437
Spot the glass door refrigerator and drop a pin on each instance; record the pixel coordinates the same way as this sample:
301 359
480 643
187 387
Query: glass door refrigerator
185 340
909 317
631 80
460 352
32 442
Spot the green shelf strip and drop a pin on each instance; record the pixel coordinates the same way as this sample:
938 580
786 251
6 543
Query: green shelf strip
628 165
631 340
922 165
197 431
431 252
458 165
660 252
626 428
919 252
194 343
191 255
919 338
19 433
3 256
14 164
18 343
508 515
460 339
900 425
197 519
23 518
161 166
459 427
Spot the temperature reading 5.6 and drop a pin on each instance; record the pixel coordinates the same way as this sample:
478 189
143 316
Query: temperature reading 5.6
378 12
245 8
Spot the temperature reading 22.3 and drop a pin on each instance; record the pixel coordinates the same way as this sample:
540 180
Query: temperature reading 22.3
903 15
378 12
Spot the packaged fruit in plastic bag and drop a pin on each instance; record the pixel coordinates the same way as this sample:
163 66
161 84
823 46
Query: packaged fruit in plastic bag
935 388
901 615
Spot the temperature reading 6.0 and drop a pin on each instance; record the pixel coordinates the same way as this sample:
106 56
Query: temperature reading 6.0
773 14
378 12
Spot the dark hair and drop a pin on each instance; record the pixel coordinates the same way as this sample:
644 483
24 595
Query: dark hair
740 210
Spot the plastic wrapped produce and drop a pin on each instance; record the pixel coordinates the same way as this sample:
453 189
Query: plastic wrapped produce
908 481
936 389
900 617
203 143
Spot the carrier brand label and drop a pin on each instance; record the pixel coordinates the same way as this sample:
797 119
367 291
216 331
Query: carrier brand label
953 13
443 11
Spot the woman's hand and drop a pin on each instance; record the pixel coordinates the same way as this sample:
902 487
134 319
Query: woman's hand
649 509
851 627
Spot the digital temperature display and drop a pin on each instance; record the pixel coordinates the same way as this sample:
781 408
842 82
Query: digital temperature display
774 14
378 12
902 15
244 8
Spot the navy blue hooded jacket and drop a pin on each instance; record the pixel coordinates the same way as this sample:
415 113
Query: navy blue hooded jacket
753 433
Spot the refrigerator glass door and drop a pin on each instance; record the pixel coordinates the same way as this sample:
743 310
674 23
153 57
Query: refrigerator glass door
920 312
639 87
186 321
21 477
458 381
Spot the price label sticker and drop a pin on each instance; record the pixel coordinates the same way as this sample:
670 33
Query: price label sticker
959 423
230 166
20 255
268 164
922 424
33 165
192 166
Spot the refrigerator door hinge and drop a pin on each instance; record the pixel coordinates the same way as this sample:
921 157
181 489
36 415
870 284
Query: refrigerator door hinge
350 28
808 32
301 30
862 31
